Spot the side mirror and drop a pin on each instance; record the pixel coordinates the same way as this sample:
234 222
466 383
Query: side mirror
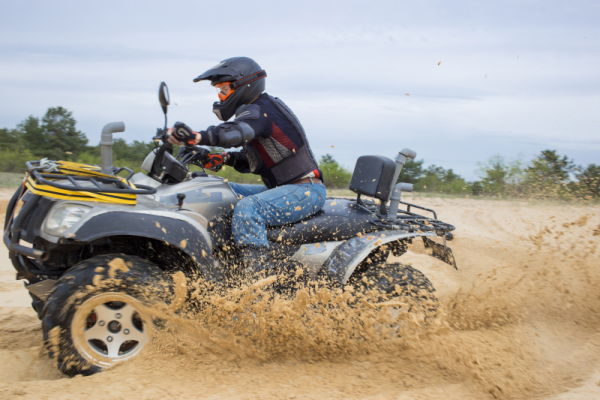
163 96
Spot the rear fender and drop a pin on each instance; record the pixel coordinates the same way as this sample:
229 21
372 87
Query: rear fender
190 236
346 257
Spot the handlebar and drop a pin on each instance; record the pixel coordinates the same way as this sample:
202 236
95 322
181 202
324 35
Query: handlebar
161 135
194 155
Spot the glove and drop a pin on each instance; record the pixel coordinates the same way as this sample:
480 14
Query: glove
182 134
216 161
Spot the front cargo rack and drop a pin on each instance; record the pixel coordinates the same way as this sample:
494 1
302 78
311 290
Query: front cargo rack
67 180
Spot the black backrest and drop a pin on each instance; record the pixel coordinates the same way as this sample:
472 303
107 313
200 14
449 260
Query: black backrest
373 177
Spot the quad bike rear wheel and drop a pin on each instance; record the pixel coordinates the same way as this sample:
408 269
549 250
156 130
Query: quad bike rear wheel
384 282
97 314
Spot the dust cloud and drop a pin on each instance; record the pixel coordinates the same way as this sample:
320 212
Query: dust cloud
518 320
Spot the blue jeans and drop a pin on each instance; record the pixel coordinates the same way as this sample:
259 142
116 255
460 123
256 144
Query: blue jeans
282 205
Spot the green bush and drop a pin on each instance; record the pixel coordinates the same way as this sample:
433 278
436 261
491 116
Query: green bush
14 161
498 177
411 172
588 186
547 177
439 180
335 176
54 136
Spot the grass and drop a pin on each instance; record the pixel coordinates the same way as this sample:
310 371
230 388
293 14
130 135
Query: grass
11 179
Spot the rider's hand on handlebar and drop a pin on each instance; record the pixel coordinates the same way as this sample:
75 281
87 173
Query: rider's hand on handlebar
216 161
183 135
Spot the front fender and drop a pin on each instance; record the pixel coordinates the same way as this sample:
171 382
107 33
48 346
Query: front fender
346 257
176 232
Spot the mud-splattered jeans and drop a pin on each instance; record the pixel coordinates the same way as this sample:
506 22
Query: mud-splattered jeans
282 205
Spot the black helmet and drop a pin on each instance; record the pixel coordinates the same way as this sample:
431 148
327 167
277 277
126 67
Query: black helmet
245 83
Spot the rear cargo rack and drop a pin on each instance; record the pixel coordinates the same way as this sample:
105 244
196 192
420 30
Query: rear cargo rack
407 220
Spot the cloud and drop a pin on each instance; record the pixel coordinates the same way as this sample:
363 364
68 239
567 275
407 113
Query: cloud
515 76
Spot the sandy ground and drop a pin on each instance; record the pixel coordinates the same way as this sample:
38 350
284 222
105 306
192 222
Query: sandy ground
521 321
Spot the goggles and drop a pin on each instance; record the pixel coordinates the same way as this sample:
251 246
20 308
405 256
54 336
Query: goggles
224 90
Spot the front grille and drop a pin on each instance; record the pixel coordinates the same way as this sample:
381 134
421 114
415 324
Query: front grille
27 218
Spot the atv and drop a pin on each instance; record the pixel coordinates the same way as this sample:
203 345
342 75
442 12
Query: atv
95 247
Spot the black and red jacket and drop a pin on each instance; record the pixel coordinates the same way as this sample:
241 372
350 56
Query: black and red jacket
273 140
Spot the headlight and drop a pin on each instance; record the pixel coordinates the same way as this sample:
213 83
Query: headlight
63 217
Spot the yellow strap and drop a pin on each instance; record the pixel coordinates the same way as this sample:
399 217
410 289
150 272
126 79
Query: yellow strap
50 191
71 168
78 169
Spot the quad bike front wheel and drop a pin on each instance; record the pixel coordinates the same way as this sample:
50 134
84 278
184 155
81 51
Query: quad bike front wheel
384 283
114 329
97 314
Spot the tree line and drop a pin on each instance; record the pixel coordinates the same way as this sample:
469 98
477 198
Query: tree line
55 136
548 176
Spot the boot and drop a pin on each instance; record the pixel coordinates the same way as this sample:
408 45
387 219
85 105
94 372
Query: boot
255 259
257 263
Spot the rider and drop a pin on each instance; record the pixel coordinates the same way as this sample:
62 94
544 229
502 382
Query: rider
274 146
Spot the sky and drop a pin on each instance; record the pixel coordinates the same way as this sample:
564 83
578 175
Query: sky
456 81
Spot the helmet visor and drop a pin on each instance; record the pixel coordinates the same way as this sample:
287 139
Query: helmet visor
224 90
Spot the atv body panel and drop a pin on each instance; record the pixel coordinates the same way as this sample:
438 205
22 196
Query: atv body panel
208 197
340 265
157 216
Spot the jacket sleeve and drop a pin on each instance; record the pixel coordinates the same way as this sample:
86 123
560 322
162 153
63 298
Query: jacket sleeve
243 129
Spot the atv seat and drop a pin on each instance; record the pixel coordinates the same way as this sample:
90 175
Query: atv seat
339 219
373 176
